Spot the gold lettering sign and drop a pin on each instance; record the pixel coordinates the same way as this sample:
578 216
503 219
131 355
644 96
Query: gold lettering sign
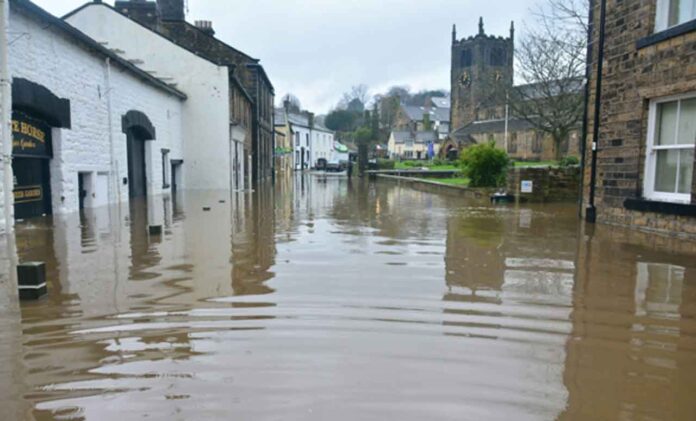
30 136
27 194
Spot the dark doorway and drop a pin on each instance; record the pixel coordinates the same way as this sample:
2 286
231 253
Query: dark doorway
81 189
137 179
175 174
303 158
32 190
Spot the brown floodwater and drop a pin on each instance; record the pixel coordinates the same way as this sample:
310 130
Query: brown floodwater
325 299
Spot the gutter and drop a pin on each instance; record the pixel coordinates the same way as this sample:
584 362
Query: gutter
591 211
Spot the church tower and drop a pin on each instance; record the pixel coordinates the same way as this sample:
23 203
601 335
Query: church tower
478 62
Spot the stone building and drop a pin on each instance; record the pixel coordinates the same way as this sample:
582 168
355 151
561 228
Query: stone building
167 17
209 147
479 63
639 162
89 128
412 144
433 115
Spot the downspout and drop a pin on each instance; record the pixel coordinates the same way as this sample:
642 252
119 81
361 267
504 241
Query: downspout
585 114
114 186
591 212
5 117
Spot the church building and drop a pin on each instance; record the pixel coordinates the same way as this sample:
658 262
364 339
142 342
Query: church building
481 64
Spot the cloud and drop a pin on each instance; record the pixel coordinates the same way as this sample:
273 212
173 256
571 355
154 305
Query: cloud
318 49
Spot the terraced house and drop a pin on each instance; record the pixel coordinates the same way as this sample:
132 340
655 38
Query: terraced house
251 93
639 168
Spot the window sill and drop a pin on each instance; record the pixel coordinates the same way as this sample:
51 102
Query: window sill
165 186
669 33
645 205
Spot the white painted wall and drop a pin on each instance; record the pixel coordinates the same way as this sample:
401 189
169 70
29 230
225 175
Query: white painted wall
45 56
305 136
322 146
206 112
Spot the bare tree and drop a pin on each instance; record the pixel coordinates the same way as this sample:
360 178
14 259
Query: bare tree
551 62
356 99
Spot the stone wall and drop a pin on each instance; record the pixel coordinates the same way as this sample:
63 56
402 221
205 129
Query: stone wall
548 184
48 57
634 72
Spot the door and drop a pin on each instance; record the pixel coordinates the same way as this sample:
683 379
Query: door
81 189
137 181
32 189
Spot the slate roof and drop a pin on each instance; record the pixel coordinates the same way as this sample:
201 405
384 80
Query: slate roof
89 43
441 102
493 126
415 113
417 137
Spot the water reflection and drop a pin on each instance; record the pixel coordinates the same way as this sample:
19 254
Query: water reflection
329 298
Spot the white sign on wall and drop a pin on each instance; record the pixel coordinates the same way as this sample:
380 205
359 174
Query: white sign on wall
527 186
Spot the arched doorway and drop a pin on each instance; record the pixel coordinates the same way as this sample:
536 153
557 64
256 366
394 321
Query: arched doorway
138 130
35 112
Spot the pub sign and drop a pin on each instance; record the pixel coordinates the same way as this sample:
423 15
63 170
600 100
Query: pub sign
30 137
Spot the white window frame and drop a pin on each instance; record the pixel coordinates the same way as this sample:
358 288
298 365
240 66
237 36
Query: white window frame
651 153
662 14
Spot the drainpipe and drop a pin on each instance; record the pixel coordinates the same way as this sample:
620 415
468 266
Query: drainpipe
591 211
114 185
585 114
6 116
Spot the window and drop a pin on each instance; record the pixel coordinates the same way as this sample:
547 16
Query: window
497 57
297 139
537 143
165 168
512 143
674 12
467 58
670 149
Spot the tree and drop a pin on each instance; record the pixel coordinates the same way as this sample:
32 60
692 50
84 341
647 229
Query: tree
551 62
355 99
292 103
341 120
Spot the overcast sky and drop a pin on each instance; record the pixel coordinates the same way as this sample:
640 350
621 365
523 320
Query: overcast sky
318 49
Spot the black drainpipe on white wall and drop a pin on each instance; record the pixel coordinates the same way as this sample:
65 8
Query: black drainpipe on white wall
591 211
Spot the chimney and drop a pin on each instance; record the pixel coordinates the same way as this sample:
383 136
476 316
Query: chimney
310 120
141 11
206 26
172 10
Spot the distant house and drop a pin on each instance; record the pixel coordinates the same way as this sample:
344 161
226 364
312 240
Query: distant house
433 115
412 145
309 141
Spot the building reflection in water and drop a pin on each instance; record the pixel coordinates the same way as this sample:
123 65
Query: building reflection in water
512 309
632 351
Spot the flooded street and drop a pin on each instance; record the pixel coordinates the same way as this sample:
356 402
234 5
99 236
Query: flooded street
330 299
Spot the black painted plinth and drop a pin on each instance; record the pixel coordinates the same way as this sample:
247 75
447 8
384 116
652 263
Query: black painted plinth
31 280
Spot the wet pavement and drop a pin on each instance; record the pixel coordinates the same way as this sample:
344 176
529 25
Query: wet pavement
321 298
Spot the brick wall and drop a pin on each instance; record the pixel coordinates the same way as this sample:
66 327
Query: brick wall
633 76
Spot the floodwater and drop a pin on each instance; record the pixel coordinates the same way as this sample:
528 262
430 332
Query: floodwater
325 299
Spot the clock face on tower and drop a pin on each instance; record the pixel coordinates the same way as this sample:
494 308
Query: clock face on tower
465 79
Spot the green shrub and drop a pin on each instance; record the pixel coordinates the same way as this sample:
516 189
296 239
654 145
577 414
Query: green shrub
385 164
485 165
569 161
